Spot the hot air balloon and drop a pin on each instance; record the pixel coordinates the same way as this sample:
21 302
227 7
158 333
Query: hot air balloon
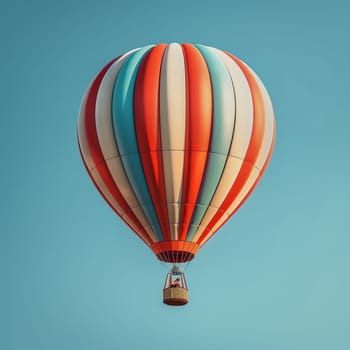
175 137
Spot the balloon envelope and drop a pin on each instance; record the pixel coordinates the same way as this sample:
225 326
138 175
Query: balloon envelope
175 138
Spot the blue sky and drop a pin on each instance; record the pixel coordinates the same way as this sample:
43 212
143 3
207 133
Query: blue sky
275 277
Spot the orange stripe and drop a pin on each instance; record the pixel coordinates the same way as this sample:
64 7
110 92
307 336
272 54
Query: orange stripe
178 246
147 126
107 201
198 131
257 138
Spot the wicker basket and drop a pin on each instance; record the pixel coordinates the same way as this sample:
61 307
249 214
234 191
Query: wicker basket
175 296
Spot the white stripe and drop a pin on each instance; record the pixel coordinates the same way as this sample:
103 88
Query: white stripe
269 124
173 127
244 108
94 173
104 123
81 131
262 156
104 127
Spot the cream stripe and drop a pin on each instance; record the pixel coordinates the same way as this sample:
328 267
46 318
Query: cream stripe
94 173
104 123
104 126
262 157
269 126
81 132
173 126
244 108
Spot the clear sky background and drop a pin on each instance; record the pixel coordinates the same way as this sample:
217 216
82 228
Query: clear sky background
276 277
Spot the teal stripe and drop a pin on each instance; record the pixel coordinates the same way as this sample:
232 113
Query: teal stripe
124 131
221 137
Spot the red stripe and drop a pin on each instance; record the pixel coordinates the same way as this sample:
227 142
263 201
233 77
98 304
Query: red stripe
106 199
96 152
254 147
147 126
198 132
